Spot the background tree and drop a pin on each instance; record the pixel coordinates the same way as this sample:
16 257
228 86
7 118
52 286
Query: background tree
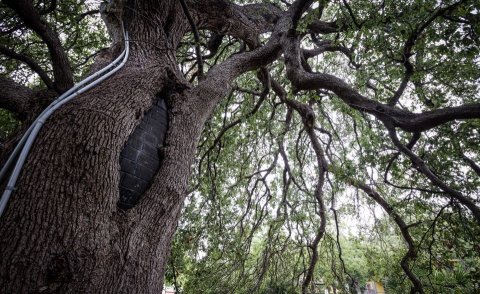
292 115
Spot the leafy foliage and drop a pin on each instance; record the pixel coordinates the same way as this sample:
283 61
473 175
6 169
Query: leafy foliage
253 213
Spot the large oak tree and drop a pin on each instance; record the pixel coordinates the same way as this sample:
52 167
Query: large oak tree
409 73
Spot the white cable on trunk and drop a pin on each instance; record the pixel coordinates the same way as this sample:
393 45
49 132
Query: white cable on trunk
25 144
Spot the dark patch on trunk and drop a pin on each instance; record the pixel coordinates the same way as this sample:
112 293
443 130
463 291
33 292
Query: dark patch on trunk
141 156
59 272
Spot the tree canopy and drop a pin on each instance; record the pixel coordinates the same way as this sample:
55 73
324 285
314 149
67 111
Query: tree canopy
346 151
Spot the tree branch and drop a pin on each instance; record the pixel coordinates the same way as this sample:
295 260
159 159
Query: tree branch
196 36
328 46
408 121
245 22
322 169
352 15
323 27
407 50
297 9
87 13
218 80
410 144
15 97
412 252
225 128
422 167
61 67
308 120
473 165
30 62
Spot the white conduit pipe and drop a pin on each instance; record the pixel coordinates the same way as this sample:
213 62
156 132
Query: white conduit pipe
29 137
22 141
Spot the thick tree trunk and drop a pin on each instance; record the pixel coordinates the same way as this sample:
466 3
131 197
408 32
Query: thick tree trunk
63 231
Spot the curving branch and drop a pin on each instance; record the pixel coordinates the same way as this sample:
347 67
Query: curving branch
322 167
423 168
87 13
473 164
297 9
62 71
352 15
339 248
263 95
218 81
30 62
308 119
412 251
324 27
407 50
245 22
408 121
15 97
326 46
410 144
196 36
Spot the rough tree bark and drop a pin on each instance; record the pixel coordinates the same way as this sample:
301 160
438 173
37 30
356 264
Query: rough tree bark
63 231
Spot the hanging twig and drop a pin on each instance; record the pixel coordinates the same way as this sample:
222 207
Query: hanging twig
196 36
